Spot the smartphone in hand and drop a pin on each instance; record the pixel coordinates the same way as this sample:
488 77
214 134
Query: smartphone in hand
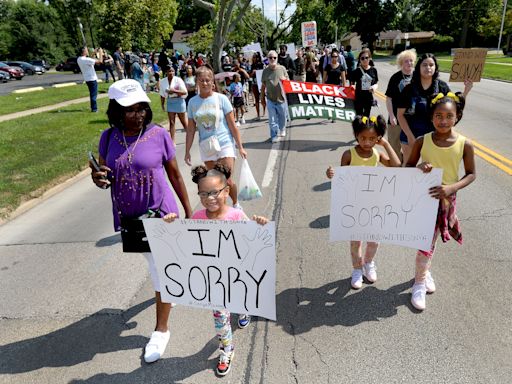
94 162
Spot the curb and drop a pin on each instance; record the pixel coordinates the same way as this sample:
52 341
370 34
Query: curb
28 205
62 85
26 90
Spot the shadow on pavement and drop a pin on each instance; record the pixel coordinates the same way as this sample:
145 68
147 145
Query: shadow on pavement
76 343
302 145
301 309
322 187
109 241
320 222
171 370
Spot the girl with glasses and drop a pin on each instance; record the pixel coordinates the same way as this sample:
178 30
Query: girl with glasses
366 79
213 188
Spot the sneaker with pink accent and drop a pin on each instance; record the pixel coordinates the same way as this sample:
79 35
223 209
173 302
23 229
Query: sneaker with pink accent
429 283
370 272
224 364
419 292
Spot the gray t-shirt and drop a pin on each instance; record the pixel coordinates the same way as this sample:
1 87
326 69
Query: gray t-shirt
270 78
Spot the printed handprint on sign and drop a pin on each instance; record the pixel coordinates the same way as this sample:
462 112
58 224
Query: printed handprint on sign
162 233
347 181
261 240
420 185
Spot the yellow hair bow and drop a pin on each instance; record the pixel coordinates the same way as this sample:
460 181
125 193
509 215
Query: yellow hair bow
373 119
440 95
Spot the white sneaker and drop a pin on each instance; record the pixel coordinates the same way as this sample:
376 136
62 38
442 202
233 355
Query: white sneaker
282 133
419 292
430 285
275 140
370 272
243 120
155 348
357 278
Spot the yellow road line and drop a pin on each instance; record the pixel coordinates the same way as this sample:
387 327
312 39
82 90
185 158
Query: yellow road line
493 161
491 152
480 150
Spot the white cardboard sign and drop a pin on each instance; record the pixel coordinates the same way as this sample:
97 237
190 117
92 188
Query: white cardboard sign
388 205
309 35
215 264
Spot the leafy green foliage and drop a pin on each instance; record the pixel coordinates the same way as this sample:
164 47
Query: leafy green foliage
32 30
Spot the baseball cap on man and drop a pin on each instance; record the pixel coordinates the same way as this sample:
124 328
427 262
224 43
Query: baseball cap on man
127 92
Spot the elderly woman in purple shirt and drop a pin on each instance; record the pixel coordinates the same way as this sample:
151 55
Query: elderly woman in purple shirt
136 158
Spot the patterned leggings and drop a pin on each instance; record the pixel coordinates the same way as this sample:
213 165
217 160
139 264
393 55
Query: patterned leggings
222 321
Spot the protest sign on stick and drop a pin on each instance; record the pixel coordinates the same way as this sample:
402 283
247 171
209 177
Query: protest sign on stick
468 63
312 100
216 264
309 35
388 205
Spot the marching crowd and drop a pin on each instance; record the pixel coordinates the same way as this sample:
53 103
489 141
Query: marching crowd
136 154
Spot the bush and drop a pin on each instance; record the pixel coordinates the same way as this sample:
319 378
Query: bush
439 43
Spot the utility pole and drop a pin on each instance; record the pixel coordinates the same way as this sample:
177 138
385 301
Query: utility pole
502 24
264 26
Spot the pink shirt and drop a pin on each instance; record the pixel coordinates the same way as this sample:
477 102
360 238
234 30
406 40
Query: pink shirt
232 215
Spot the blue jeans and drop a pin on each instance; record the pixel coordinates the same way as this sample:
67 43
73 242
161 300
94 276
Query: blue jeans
276 117
93 93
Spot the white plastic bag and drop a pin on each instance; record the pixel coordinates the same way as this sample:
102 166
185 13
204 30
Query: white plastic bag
247 188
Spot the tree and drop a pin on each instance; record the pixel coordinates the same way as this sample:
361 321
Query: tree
224 22
371 18
139 25
490 26
202 40
34 30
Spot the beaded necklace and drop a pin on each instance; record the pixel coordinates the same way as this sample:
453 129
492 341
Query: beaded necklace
132 153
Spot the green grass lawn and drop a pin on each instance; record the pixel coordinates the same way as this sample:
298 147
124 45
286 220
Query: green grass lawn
491 70
16 102
41 150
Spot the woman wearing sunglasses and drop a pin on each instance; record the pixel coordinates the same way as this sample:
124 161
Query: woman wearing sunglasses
366 79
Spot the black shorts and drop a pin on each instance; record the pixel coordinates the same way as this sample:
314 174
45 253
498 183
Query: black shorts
238 102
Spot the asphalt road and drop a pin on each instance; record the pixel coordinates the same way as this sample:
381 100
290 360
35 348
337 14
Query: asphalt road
74 309
44 80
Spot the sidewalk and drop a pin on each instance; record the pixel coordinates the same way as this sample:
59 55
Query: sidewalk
46 108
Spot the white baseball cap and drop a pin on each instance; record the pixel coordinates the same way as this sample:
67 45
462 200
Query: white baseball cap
127 92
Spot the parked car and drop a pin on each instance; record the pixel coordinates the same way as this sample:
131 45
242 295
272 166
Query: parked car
41 63
28 68
69 65
15 72
4 77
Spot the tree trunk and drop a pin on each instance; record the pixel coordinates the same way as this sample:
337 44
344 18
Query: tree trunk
465 26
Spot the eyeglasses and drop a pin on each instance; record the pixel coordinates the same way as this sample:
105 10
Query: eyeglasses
214 193
133 112
272 57
364 57
205 81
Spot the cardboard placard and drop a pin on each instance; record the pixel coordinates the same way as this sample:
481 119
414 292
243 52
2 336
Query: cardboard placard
309 34
468 63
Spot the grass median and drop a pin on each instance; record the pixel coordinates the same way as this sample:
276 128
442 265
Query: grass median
496 68
17 102
42 150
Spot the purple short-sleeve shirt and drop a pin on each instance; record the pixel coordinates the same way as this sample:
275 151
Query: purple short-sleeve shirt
141 184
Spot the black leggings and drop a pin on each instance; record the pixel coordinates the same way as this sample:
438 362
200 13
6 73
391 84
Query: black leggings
363 107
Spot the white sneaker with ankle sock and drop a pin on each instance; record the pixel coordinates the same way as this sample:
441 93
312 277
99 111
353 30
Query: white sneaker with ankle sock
155 348
357 278
370 272
419 291
430 285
